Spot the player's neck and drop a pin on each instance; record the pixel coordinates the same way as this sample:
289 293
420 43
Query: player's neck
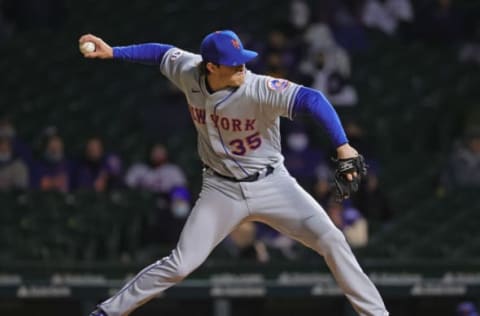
214 85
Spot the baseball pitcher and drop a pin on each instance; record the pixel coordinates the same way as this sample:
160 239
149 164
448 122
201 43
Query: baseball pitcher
237 115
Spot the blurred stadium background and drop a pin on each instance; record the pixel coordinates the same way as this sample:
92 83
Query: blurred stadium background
85 202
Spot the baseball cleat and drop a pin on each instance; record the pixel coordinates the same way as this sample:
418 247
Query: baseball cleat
98 312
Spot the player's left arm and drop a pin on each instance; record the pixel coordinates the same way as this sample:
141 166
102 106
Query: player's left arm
315 103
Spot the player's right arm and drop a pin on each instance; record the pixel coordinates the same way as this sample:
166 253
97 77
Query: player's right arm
174 63
149 53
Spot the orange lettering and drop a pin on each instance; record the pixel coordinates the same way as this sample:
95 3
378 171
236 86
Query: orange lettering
249 124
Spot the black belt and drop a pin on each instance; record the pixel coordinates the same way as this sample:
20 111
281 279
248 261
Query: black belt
251 178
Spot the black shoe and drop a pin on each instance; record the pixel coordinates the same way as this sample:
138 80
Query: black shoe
98 312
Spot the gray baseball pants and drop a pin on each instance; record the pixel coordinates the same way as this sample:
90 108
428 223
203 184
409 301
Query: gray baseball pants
276 200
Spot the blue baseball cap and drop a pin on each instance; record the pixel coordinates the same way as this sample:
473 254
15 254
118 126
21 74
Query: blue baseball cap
225 48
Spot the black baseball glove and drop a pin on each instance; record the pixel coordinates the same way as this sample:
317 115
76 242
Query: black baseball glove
344 187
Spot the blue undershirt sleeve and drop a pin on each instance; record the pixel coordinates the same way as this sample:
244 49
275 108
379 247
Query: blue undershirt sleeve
150 53
314 102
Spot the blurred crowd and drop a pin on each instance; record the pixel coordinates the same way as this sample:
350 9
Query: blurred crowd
313 47
462 169
48 167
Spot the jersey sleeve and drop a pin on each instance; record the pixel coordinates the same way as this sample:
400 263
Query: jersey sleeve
177 64
277 95
149 53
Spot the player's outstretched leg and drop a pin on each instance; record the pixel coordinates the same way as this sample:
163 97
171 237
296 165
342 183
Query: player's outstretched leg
332 245
282 203
213 217
356 285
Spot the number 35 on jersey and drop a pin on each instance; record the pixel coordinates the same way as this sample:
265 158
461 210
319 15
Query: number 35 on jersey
238 146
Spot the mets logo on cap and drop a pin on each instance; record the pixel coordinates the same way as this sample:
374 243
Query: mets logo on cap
235 44
278 85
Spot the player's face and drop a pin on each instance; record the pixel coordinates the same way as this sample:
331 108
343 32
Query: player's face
231 76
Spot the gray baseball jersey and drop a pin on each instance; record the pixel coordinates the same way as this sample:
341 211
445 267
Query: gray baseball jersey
238 135
238 129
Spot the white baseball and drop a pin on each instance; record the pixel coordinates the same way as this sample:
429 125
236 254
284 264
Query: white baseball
87 47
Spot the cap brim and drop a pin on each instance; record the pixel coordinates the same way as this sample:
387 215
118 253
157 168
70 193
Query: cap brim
249 55
244 57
